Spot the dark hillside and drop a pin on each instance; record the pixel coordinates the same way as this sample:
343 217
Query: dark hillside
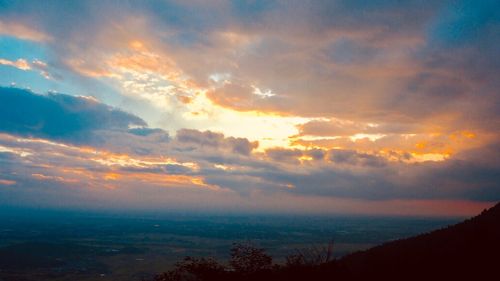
466 250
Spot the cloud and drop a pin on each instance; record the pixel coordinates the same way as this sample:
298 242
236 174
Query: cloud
345 128
20 64
332 50
58 116
22 31
351 157
215 140
233 95
7 182
361 62
372 92
23 64
284 155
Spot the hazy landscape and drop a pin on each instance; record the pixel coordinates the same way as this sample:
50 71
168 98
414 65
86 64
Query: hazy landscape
42 245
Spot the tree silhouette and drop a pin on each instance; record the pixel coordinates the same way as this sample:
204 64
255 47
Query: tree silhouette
194 269
312 256
247 259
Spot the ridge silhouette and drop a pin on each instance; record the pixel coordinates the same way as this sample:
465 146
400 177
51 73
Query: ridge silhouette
469 250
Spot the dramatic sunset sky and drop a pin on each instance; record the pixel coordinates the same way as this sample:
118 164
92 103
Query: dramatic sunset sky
327 107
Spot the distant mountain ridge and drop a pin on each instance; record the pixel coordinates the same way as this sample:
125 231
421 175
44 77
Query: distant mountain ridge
467 250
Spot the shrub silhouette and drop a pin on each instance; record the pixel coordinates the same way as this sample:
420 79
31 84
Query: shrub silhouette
249 262
194 269
310 257
247 259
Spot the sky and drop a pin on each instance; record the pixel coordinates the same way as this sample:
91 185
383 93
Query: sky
378 107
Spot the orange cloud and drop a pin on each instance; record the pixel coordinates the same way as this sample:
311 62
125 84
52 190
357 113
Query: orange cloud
54 178
7 182
20 64
22 31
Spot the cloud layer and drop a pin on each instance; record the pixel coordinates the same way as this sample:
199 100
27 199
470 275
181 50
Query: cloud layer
370 102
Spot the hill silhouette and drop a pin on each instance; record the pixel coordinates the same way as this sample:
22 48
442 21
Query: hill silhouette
468 250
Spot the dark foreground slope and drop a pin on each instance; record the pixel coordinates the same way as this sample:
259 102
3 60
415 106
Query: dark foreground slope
465 251
470 249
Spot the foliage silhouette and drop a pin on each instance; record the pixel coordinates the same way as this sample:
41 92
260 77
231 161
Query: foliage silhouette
310 257
249 262
194 269
247 258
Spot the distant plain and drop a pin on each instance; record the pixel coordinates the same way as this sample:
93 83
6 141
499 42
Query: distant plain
42 245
